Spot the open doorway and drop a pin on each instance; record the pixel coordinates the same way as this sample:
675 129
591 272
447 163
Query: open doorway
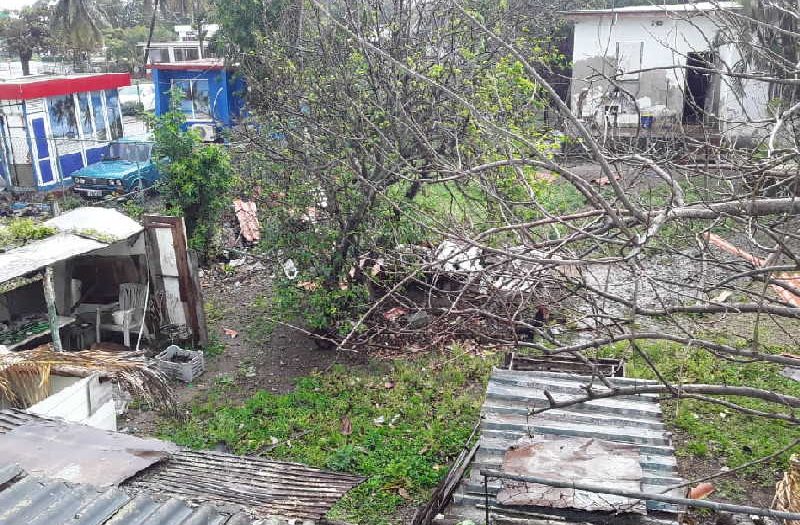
697 89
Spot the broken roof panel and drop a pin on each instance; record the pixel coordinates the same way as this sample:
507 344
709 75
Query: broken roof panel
264 487
272 488
36 500
632 420
36 255
80 231
102 222
584 460
80 454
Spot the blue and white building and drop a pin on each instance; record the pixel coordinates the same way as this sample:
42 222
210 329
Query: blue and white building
52 126
212 94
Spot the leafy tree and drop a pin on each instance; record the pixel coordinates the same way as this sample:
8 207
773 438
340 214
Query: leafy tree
350 142
196 178
26 33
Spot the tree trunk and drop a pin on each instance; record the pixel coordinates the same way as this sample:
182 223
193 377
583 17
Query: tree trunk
25 60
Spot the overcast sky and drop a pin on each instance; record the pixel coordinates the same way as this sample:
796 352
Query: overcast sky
16 4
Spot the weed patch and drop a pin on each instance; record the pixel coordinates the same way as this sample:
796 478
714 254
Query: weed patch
399 424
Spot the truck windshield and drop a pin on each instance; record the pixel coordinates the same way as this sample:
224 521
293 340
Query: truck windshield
130 151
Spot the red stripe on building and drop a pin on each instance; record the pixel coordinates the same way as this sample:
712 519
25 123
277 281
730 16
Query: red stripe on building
52 87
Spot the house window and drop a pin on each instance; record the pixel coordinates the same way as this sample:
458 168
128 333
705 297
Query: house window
99 115
195 98
629 58
85 114
114 115
63 122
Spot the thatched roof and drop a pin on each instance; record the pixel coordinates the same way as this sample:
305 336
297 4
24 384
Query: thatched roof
25 376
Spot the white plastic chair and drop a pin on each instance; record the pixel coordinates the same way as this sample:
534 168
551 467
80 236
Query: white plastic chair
129 317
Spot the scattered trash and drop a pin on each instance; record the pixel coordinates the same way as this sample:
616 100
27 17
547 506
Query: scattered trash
308 285
347 426
394 313
235 263
792 373
388 385
792 279
230 332
290 270
380 420
177 363
605 181
722 297
455 257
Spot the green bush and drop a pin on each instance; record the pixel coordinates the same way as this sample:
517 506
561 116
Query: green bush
406 422
196 181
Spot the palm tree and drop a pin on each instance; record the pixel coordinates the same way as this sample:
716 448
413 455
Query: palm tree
80 22
195 8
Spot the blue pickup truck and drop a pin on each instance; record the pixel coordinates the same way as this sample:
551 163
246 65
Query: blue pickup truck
127 167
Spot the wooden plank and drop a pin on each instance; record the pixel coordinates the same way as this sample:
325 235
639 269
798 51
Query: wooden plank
52 312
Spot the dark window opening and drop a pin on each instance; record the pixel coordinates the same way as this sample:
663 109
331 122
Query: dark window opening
698 84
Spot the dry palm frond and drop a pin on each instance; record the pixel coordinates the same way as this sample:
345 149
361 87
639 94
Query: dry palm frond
787 491
24 376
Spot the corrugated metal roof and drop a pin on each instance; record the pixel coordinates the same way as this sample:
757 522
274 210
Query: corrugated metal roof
32 500
271 488
102 224
267 488
628 419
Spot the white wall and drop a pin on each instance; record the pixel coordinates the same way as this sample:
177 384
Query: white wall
86 401
666 41
743 103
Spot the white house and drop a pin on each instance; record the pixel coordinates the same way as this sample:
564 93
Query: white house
651 67
187 47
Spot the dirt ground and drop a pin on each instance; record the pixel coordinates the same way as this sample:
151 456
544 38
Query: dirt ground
252 363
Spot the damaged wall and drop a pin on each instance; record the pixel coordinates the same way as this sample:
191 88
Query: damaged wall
743 103
608 44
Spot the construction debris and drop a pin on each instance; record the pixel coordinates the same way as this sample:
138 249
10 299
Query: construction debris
247 215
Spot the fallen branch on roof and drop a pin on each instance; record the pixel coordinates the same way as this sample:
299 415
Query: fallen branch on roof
592 487
686 390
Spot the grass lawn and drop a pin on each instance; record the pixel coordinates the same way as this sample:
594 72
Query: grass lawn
399 424
713 431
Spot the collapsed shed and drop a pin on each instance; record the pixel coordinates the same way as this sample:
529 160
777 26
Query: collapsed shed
100 281
620 442
100 273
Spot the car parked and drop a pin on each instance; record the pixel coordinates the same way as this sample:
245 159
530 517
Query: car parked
127 167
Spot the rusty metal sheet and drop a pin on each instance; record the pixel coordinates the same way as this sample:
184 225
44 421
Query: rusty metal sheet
268 488
584 460
80 454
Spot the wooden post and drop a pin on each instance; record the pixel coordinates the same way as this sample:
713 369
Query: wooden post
52 313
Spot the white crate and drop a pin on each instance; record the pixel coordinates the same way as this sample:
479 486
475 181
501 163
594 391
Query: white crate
193 367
